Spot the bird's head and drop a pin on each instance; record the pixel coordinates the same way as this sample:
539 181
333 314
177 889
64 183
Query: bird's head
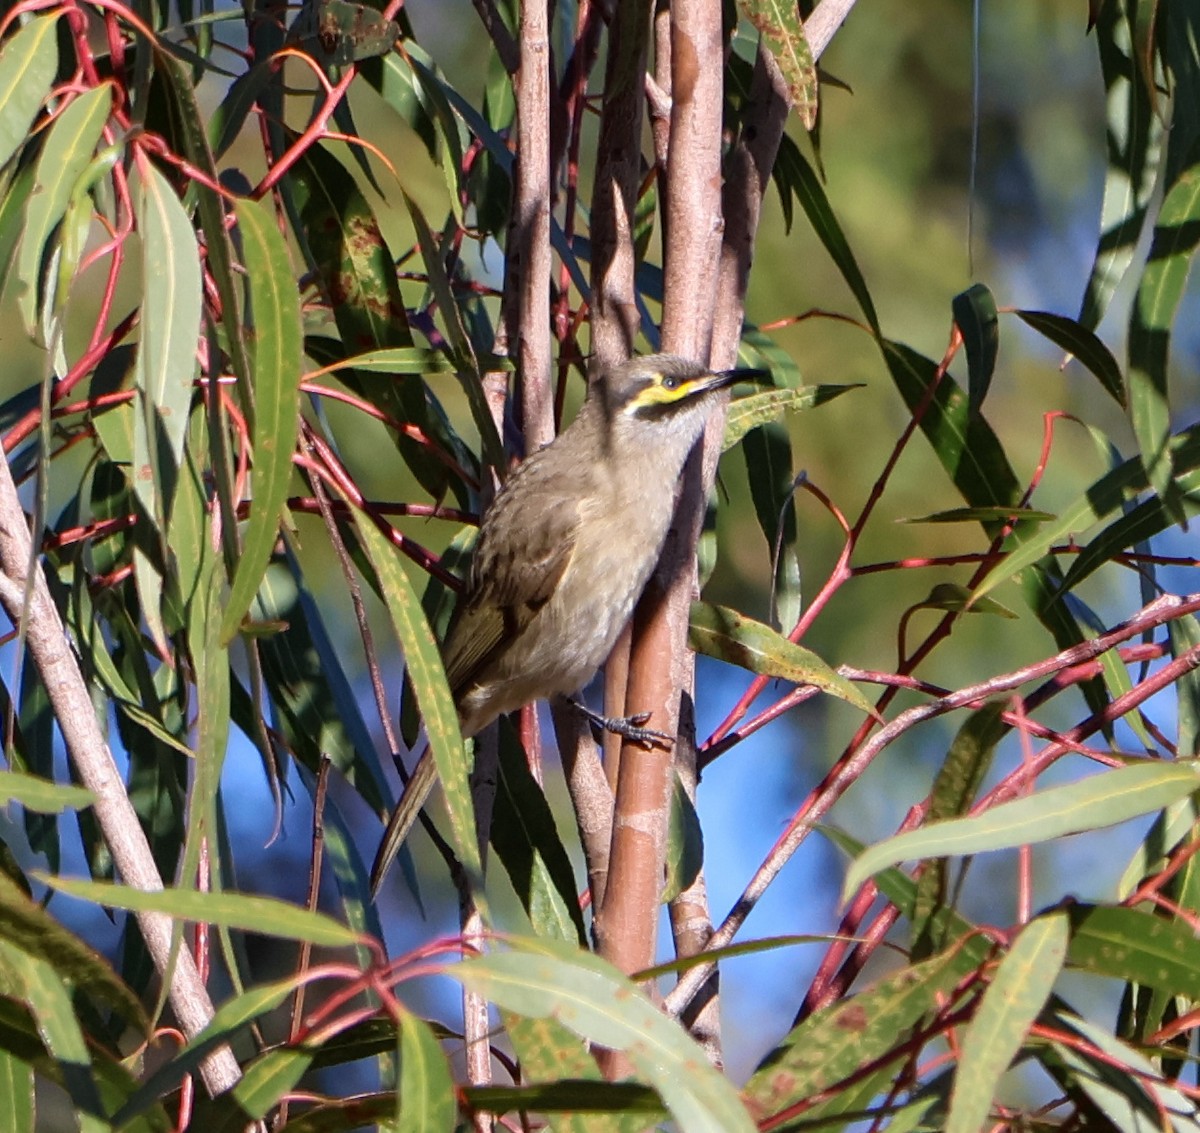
661 394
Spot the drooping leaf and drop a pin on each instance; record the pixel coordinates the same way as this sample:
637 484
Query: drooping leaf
267 916
1134 134
425 1100
1018 992
979 324
768 452
166 356
428 677
746 413
1176 235
276 358
783 33
589 996
66 154
794 174
1082 344
527 842
27 66
1097 801
717 631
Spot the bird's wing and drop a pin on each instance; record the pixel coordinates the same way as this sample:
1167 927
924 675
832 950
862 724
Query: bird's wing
509 585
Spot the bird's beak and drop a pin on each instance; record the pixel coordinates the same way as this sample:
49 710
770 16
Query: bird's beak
719 379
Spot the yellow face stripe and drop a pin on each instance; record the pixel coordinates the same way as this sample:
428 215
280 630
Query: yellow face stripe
659 394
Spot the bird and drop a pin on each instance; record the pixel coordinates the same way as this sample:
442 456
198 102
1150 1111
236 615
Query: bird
563 554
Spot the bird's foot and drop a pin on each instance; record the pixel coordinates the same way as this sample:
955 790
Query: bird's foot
627 727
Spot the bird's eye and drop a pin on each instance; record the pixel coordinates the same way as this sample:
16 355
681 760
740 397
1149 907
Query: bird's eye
670 381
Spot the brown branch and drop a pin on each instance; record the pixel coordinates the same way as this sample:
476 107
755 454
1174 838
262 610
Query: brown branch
852 764
76 715
660 665
530 260
614 192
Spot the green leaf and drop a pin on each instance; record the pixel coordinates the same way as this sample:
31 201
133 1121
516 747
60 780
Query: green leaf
49 1001
228 1022
398 360
1184 634
717 631
166 355
65 157
958 599
1164 278
747 413
793 171
1082 344
1097 801
41 795
685 843
425 1100
456 333
783 34
768 452
27 926
527 843
834 1042
593 999
1136 946
963 443
423 661
984 515
1123 1085
1134 137
27 66
1099 500
188 122
276 358
265 916
978 323
954 788
349 253
559 1066
17 1113
1018 992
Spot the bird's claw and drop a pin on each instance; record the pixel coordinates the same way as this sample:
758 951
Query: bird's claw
627 727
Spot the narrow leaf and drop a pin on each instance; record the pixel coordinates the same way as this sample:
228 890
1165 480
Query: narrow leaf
594 1000
1176 235
27 66
783 34
425 1100
275 365
1134 136
67 152
746 413
978 323
166 355
793 171
1097 801
41 795
428 678
717 631
1017 993
266 916
1083 345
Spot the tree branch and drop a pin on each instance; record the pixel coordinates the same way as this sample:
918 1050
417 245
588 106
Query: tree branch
51 652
